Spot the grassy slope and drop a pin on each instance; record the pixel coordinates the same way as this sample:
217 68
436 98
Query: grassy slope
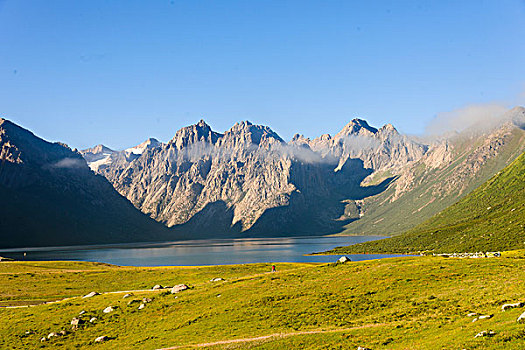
384 217
402 303
469 225
41 281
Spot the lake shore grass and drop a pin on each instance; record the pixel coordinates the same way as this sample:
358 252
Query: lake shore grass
393 303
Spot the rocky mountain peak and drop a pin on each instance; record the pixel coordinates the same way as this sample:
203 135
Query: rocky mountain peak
356 127
97 156
98 149
389 128
321 142
247 133
245 123
362 123
202 124
148 144
200 132
18 145
299 139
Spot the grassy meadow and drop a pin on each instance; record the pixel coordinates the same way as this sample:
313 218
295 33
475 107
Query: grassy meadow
397 303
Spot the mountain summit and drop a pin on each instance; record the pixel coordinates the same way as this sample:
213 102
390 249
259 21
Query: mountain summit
357 127
200 132
141 148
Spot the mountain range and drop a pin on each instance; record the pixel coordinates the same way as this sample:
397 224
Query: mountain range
249 181
244 182
363 180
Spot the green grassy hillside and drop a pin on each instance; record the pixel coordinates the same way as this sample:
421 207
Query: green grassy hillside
400 303
490 218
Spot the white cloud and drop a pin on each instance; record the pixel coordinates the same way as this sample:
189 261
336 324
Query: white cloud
478 117
69 163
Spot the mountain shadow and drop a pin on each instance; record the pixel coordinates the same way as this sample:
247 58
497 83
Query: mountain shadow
323 202
49 197
213 221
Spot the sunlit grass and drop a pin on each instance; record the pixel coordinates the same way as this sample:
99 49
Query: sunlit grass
415 302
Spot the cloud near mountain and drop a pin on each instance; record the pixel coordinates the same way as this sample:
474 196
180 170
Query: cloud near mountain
476 117
69 163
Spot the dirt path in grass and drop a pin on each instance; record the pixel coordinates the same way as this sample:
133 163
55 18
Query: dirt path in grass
270 336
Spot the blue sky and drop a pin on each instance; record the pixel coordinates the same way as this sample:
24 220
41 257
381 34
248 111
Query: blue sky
117 72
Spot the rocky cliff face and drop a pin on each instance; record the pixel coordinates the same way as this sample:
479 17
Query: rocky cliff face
250 180
49 196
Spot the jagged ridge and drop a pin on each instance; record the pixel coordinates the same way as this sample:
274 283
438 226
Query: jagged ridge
250 180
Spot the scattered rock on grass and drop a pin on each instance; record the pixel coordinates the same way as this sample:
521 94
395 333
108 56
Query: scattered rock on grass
146 300
141 306
75 322
157 286
178 288
482 317
82 312
511 306
93 319
108 310
101 339
43 339
89 295
127 295
217 279
521 318
51 335
363 348
485 334
472 314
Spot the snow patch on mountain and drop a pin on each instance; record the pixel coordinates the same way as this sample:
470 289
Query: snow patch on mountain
148 144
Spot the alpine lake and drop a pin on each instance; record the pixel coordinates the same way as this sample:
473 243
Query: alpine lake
202 252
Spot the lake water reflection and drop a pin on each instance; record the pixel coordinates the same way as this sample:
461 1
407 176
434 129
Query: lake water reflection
202 252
